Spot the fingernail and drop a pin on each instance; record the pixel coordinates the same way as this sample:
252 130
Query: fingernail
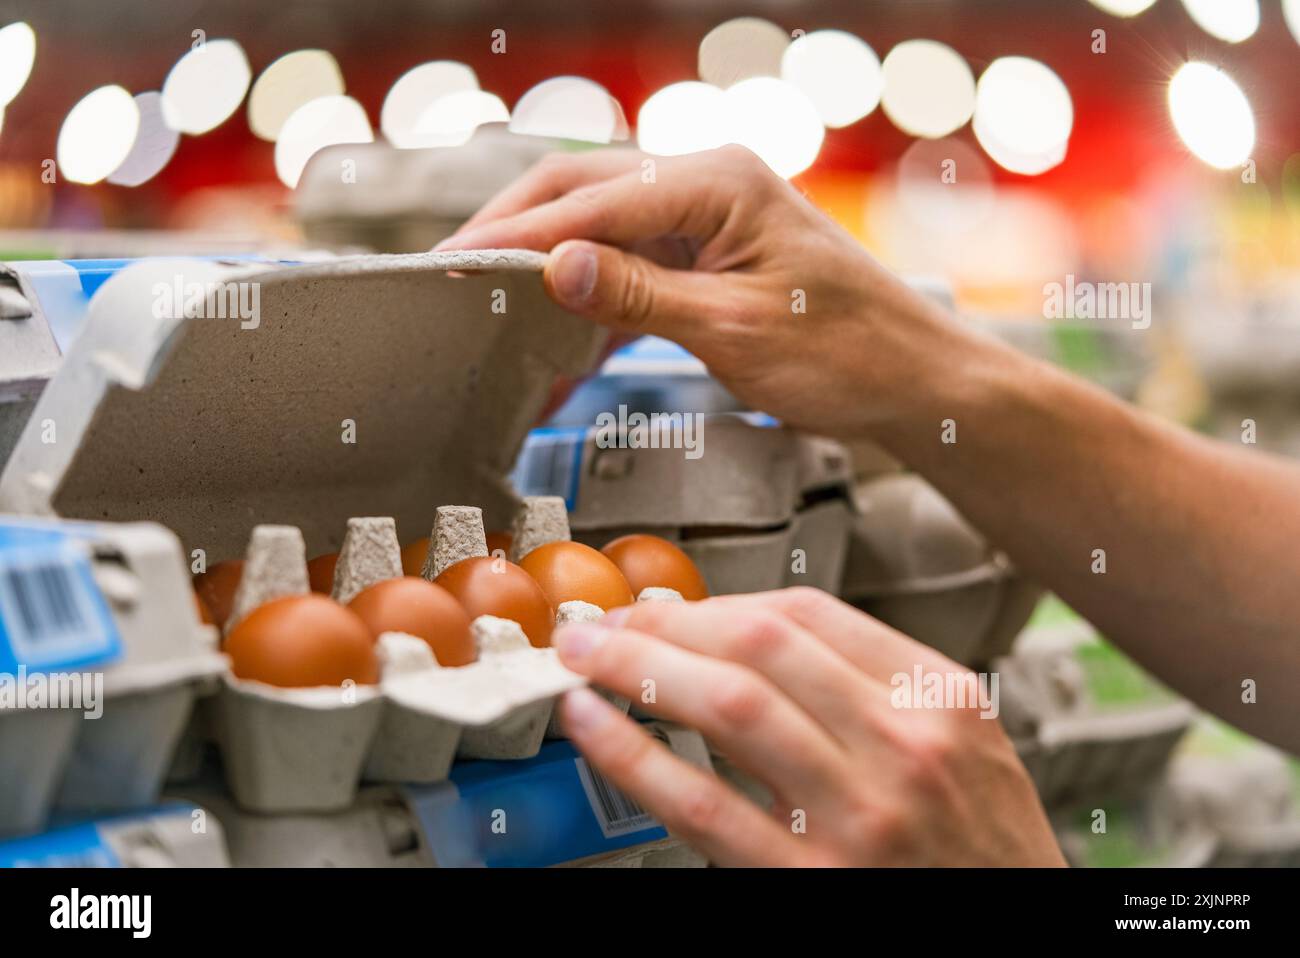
616 618
578 641
573 276
583 712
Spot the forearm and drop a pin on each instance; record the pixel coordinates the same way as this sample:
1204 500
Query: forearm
1201 542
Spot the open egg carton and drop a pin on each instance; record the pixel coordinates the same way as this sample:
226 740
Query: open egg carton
756 506
309 748
916 564
359 386
102 657
1085 720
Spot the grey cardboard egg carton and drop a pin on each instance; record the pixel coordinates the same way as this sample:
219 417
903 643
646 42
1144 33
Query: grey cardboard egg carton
916 564
403 200
364 385
309 749
1074 745
761 508
170 835
63 759
408 827
1244 792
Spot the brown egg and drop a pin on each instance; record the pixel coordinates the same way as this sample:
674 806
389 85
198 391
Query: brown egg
648 561
569 571
217 588
486 586
501 541
413 556
301 641
320 572
420 608
205 616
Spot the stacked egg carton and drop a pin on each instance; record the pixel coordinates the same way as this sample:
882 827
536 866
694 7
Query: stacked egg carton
169 836
762 507
1086 721
546 813
152 653
917 565
1244 792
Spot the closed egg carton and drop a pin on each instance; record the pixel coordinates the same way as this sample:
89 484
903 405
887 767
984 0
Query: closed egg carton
916 564
1085 721
424 826
731 561
1246 792
168 835
62 760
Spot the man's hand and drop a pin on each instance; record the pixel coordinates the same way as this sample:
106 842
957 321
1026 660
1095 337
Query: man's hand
719 254
794 687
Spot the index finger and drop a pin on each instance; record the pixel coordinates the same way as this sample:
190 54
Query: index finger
687 196
551 177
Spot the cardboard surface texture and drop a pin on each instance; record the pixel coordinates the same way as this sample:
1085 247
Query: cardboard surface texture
917 565
362 386
1086 722
63 757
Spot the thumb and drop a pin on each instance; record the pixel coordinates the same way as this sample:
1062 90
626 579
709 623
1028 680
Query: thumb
621 290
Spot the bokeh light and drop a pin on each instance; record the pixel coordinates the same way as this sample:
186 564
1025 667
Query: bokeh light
1212 115
681 118
97 134
17 54
944 185
1291 13
775 120
155 144
837 71
928 88
572 108
294 79
325 121
1123 8
741 48
452 119
1229 20
1023 115
205 86
414 92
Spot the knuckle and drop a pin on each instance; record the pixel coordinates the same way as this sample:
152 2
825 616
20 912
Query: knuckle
739 702
807 600
637 297
928 757
759 636
700 811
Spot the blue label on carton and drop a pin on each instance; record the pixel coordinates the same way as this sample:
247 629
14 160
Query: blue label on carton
542 811
72 846
52 615
550 464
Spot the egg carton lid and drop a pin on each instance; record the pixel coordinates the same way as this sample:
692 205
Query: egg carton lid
440 182
371 385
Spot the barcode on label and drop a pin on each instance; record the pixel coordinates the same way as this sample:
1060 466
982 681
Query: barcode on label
616 813
549 465
44 598
51 613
